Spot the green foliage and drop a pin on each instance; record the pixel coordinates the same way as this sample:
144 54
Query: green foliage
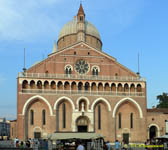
163 100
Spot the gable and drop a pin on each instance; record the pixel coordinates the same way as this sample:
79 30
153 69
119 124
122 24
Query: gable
57 61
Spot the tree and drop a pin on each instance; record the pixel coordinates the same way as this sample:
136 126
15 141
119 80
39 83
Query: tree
163 100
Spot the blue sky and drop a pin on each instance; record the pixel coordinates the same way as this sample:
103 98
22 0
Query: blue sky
127 27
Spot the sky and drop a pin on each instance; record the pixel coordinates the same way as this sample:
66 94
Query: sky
126 27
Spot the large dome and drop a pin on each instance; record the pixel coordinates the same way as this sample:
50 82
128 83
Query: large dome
71 28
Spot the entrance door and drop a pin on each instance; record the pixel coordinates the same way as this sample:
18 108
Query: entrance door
82 128
126 137
152 132
37 135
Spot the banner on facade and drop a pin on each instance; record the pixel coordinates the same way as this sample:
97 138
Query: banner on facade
166 126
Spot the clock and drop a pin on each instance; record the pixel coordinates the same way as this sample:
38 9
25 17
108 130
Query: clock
81 66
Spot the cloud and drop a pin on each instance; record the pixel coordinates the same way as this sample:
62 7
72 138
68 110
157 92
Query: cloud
21 20
37 19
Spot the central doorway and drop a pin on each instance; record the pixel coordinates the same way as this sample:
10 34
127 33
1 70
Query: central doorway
82 124
82 129
37 135
126 137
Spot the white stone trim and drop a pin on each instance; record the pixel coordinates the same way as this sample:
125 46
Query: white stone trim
85 98
37 127
34 98
127 99
65 98
101 99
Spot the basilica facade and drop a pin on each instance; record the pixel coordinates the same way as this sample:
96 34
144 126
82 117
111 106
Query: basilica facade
80 88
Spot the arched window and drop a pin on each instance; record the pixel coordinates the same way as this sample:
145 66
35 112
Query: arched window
106 87
60 85
113 87
80 86
119 120
99 117
131 120
119 87
95 71
126 88
43 117
86 86
81 18
64 115
132 88
93 87
46 85
100 87
32 84
31 117
68 70
53 85
39 85
73 86
66 86
139 88
25 84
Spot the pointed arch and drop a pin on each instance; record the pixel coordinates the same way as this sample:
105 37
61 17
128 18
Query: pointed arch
64 98
101 99
127 99
34 98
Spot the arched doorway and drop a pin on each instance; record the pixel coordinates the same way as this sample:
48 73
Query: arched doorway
152 132
82 124
37 133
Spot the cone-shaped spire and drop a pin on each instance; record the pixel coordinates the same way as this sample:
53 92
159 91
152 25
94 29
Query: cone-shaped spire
54 47
81 11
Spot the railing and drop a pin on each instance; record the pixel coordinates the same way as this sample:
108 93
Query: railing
81 92
80 77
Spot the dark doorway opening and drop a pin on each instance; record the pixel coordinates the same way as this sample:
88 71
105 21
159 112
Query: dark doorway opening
152 132
37 135
82 129
126 138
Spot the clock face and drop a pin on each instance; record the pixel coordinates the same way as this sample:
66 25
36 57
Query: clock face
81 66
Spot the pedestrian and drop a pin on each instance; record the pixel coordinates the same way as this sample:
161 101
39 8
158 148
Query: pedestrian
27 144
21 146
108 145
80 147
17 143
117 145
125 146
105 146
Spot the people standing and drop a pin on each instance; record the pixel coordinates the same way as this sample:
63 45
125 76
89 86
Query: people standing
108 145
80 147
27 144
21 146
117 145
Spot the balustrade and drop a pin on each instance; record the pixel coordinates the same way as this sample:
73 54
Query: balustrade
81 77
81 92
